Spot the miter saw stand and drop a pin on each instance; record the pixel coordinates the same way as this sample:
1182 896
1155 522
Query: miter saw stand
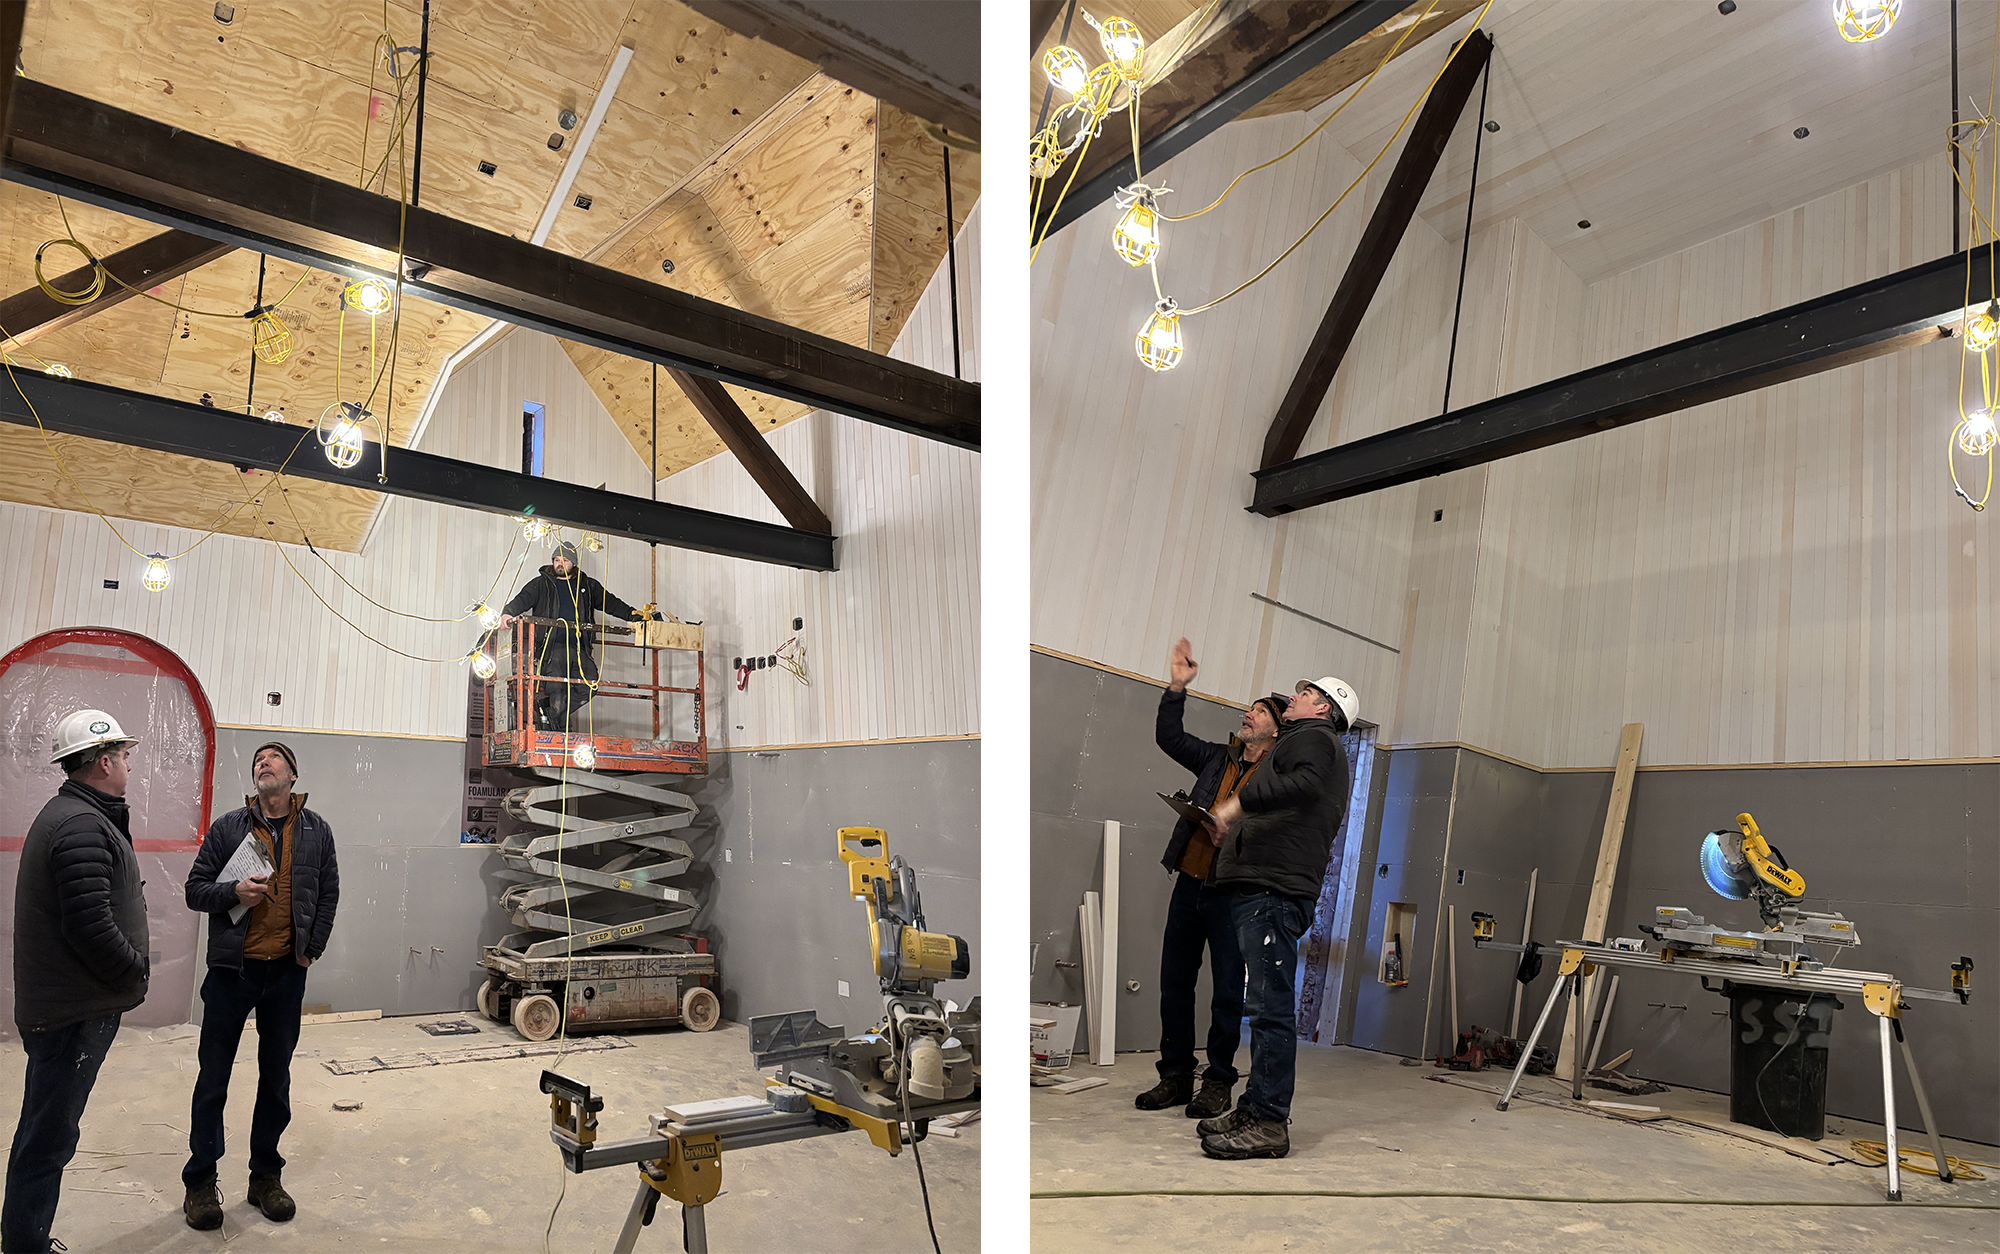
921 1063
1742 865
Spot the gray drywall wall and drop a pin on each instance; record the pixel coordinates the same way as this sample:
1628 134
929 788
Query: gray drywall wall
775 900
1908 852
1093 758
775 905
406 883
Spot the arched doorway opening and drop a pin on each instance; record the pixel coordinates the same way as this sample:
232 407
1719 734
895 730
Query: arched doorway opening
155 697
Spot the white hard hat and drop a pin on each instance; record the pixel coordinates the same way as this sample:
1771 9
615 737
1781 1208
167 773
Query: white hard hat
1338 692
87 729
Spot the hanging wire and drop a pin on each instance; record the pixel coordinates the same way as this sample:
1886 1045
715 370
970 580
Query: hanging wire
1379 66
1203 308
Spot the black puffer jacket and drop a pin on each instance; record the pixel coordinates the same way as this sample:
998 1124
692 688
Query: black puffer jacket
315 883
80 940
575 599
1292 809
1204 757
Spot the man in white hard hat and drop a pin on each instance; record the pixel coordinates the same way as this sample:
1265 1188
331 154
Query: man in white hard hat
80 960
1272 842
257 963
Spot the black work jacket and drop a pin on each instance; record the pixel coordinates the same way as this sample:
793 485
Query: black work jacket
1205 758
577 600
315 883
1292 810
80 938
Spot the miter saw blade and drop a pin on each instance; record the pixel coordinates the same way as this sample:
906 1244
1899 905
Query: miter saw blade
1725 868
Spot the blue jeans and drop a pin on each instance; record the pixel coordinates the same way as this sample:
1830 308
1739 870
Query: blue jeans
1268 928
1197 920
62 1068
276 990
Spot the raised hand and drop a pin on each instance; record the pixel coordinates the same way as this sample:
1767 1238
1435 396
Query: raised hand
1181 666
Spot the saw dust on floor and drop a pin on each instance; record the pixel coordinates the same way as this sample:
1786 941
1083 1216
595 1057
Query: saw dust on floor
1107 1176
456 1158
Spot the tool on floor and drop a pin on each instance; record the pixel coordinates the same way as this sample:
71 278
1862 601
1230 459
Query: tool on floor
1741 864
921 1062
604 945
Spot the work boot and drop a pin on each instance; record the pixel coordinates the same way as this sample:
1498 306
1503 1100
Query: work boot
1211 1101
1172 1090
1222 1124
269 1196
1253 1138
203 1208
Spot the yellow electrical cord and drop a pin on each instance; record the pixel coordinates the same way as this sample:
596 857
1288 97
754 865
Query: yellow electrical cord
1876 1153
1982 226
1202 308
1379 66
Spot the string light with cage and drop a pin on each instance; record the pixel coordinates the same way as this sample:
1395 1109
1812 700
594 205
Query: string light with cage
339 432
157 575
1860 21
368 296
1160 342
1974 434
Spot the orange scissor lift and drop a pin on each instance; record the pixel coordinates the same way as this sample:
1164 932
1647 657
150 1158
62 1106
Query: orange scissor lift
602 944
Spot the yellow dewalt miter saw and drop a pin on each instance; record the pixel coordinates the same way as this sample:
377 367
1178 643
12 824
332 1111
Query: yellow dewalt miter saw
919 1063
1740 864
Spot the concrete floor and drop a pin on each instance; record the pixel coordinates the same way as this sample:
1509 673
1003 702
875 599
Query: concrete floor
457 1158
1361 1122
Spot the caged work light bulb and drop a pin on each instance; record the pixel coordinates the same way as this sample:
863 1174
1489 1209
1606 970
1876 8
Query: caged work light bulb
1159 341
60 371
1123 44
1137 235
157 576
593 543
483 666
533 529
369 296
489 618
342 440
274 415
1862 20
1977 434
583 755
1982 330
1066 68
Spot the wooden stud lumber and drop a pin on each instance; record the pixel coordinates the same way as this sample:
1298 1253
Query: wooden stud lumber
1608 847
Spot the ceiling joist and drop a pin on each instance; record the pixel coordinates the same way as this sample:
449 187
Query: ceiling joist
31 313
1871 319
75 407
1375 250
1249 54
65 143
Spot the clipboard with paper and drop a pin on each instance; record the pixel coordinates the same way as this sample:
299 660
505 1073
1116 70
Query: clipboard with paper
1185 807
247 861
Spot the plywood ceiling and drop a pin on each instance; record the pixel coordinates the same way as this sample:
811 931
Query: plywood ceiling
1668 123
770 187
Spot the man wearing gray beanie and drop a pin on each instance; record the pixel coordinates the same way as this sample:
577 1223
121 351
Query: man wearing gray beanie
566 654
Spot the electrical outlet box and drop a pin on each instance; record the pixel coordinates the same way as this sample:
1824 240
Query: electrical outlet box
843 987
111 585
727 856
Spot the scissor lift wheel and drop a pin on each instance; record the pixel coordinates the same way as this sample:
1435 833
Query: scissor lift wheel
489 1000
700 1009
537 1017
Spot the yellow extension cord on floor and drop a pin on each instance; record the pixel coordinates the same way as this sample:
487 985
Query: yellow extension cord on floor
1877 1154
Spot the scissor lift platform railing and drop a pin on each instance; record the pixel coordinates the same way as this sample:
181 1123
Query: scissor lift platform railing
512 739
